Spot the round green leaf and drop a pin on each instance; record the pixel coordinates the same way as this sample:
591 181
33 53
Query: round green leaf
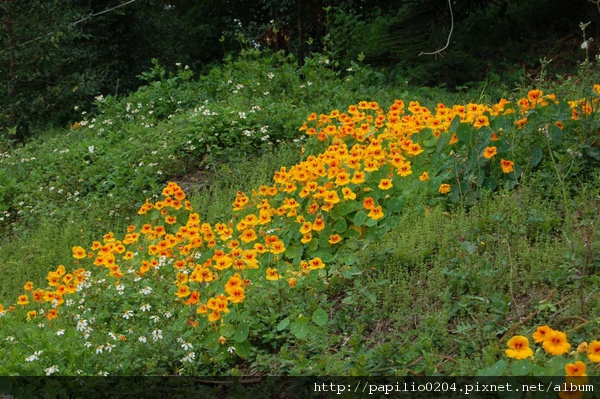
227 330
320 317
243 348
340 226
242 333
360 218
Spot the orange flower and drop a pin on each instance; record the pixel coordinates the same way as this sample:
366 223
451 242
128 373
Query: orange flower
541 334
490 152
334 239
593 351
556 343
368 203
272 274
518 348
507 166
444 188
79 252
376 213
385 184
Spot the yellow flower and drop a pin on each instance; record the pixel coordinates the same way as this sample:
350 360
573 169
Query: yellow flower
518 348
28 286
444 188
376 213
424 176
490 152
385 184
576 369
182 291
507 166
334 239
79 252
23 300
541 334
593 351
556 343
272 274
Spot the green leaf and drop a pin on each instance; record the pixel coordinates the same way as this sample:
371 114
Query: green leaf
520 367
300 330
454 124
534 156
396 204
370 222
465 133
294 251
243 348
360 218
227 330
340 226
242 333
496 369
283 324
556 134
320 317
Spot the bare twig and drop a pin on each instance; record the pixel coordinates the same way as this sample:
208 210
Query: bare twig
449 34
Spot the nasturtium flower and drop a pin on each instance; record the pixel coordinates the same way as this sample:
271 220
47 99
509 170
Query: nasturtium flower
79 252
556 343
541 334
28 286
272 274
376 213
183 291
368 203
52 314
593 351
315 263
348 193
534 96
23 300
334 238
444 188
424 176
385 184
518 348
453 139
292 282
507 166
481 121
489 152
576 369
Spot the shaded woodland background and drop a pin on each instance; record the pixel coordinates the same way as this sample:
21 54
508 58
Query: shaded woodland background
57 55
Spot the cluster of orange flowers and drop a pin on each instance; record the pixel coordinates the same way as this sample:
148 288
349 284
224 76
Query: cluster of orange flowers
362 141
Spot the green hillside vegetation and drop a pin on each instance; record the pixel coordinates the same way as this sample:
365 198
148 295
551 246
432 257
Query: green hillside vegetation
463 254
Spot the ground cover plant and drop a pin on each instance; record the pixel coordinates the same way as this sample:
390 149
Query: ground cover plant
255 288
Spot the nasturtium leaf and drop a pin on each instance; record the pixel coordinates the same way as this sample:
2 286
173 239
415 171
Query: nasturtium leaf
320 317
360 218
534 156
496 369
340 226
300 330
227 330
395 204
520 367
243 348
283 324
242 333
